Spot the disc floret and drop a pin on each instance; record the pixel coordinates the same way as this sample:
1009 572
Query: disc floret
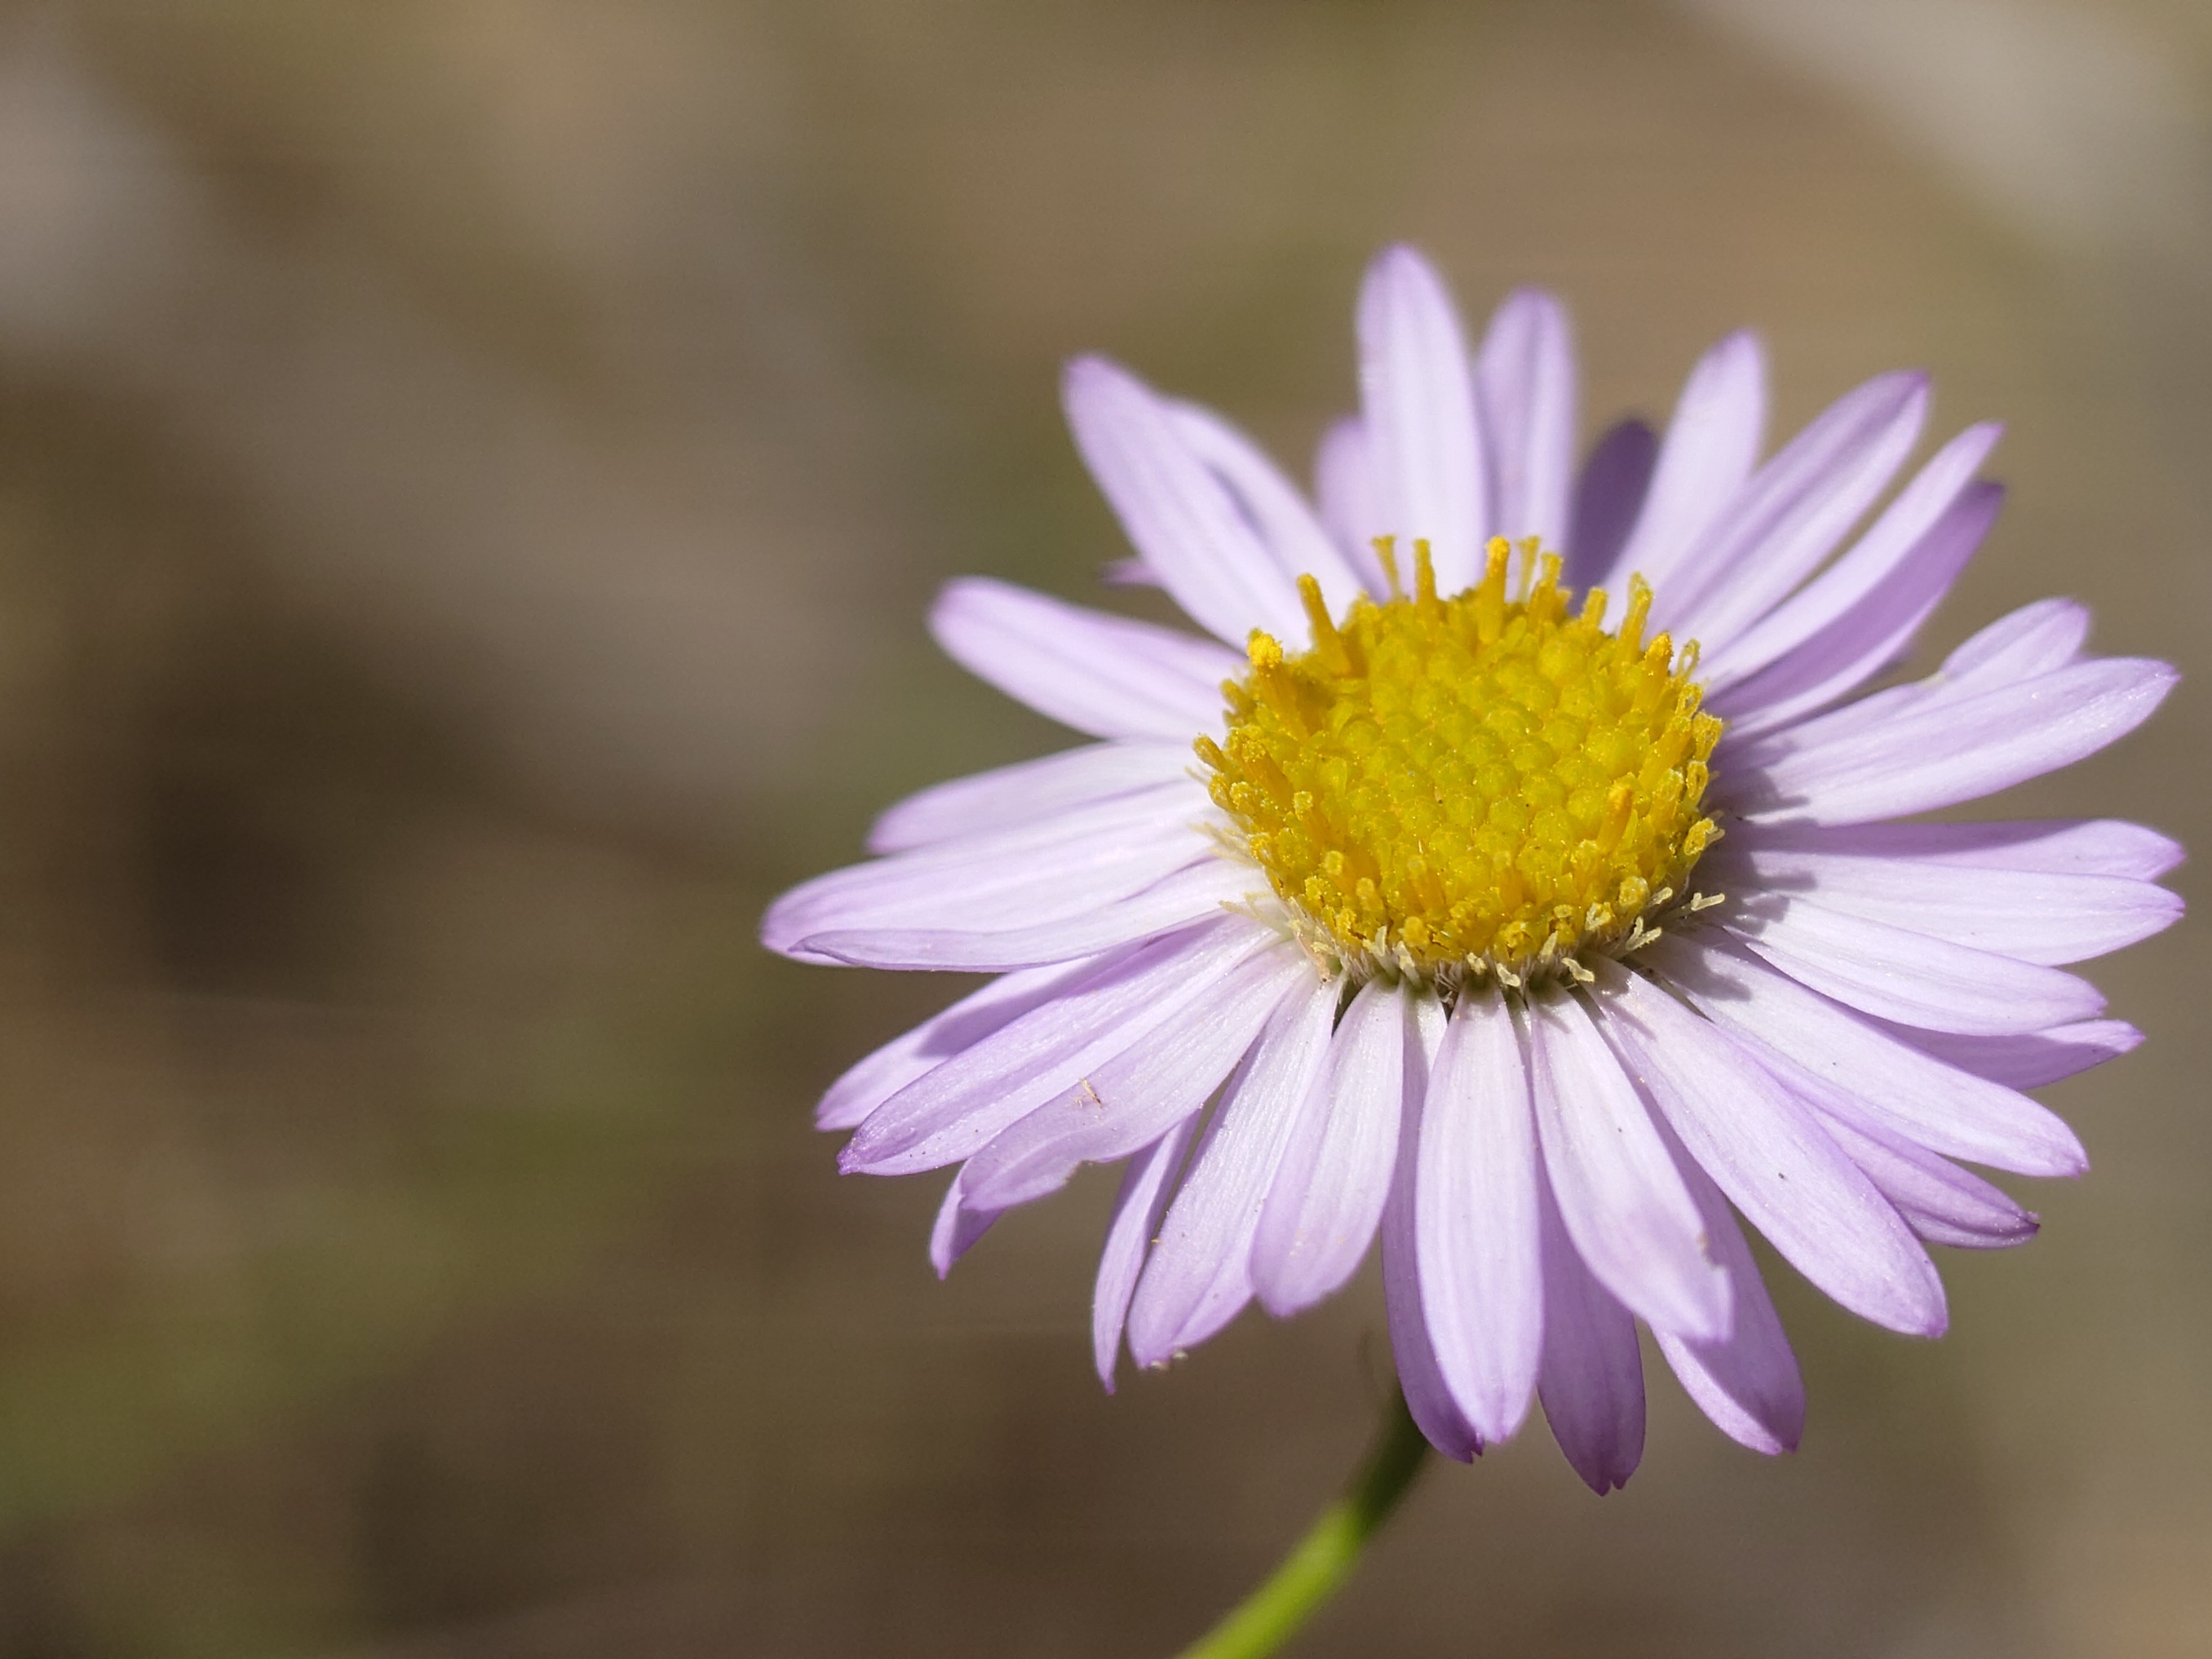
1442 787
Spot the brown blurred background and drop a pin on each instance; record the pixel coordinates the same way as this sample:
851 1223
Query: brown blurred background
470 473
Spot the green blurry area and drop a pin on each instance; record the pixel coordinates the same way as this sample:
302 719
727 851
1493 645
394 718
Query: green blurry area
471 476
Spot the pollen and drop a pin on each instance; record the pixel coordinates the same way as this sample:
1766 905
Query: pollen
1444 787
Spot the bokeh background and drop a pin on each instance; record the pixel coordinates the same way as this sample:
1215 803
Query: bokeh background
470 475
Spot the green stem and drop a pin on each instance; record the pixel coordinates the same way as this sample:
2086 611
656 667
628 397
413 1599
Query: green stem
1325 1556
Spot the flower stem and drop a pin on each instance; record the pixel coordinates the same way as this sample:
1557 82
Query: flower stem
1325 1556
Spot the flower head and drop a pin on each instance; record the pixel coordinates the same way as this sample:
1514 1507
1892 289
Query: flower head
1445 907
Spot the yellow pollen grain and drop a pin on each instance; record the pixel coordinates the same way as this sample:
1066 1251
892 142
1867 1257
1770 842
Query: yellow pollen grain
1442 786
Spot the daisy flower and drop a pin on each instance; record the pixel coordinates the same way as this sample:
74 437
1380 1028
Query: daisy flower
1521 872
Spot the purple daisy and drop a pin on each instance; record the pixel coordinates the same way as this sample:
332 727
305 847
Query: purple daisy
1439 908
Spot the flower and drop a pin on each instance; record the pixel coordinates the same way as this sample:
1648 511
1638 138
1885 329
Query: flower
1544 949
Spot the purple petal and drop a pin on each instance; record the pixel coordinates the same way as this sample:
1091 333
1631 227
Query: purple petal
1794 510
1028 791
952 1111
1944 1108
1186 896
1591 1381
1272 506
2058 847
1709 451
1418 401
1411 1348
1939 1201
1127 1101
1108 676
1328 1196
956 1229
1349 499
1199 1276
2029 1062
1622 1199
1749 1386
1608 500
1910 978
1137 1210
2028 915
1475 1218
1773 1158
1893 541
2036 639
871 1082
1524 382
1177 513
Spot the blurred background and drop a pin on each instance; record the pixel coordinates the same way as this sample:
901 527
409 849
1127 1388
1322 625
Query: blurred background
470 475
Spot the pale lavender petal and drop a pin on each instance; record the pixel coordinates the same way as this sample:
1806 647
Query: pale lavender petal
1137 1211
1794 510
1475 1218
2058 847
1178 514
2029 915
952 1111
1910 978
1619 1192
1131 572
1942 751
1749 1386
956 1229
1411 1348
1418 398
1028 790
1111 676
1200 1275
1127 1101
1185 896
871 1082
1870 637
1709 451
1607 499
2030 1061
1891 543
1066 864
1351 500
1591 1381
1942 1202
1772 1158
1944 1108
1524 383
1328 1192
1271 504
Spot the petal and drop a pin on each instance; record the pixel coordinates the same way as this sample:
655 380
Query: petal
1944 1108
1912 979
1943 750
956 1229
2028 915
1620 1196
1110 677
1271 504
1711 446
1328 1196
1591 1381
2058 847
871 1082
1028 791
1608 500
1186 896
1128 1101
1524 383
1137 1210
1475 1218
1794 510
951 1111
1200 1275
1351 500
1419 1379
1417 397
1749 1386
1773 1158
1178 514
1939 1201
2029 1062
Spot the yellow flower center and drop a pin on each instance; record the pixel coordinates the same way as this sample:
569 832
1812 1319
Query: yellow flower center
1448 786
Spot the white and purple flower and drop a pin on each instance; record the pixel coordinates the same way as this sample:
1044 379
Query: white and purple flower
1544 951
